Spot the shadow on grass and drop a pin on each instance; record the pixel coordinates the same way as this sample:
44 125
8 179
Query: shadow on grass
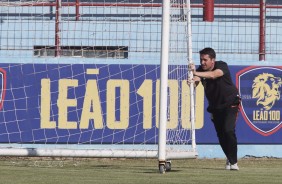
107 166
217 169
154 171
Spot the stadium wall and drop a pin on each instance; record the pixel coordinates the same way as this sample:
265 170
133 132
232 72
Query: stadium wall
30 86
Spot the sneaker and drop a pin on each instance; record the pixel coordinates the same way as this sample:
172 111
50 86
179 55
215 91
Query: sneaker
227 166
234 167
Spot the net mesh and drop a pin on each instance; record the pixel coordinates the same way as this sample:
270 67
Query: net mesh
85 74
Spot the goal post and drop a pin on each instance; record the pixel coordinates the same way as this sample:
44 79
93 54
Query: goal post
166 21
190 75
84 79
164 80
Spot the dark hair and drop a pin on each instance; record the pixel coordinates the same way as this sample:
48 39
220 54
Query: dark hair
208 51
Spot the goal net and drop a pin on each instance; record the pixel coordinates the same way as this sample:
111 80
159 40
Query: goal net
82 78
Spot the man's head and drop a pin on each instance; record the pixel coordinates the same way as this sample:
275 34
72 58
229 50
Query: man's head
207 58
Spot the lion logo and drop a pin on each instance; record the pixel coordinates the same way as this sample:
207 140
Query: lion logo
266 90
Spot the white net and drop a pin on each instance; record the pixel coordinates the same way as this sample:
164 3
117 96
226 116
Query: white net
84 75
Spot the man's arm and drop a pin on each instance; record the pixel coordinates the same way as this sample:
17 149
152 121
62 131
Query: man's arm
209 74
205 74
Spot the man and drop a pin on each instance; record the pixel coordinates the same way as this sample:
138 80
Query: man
223 99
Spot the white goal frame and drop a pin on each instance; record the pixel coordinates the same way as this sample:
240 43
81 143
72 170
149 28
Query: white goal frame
162 151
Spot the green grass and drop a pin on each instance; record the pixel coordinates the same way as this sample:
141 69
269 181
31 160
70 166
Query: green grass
145 171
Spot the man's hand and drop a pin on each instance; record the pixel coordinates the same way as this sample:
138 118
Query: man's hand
195 80
192 67
190 81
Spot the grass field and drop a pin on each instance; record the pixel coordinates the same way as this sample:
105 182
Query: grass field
145 171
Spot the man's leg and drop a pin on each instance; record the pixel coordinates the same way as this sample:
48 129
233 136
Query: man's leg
217 119
230 139
225 122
